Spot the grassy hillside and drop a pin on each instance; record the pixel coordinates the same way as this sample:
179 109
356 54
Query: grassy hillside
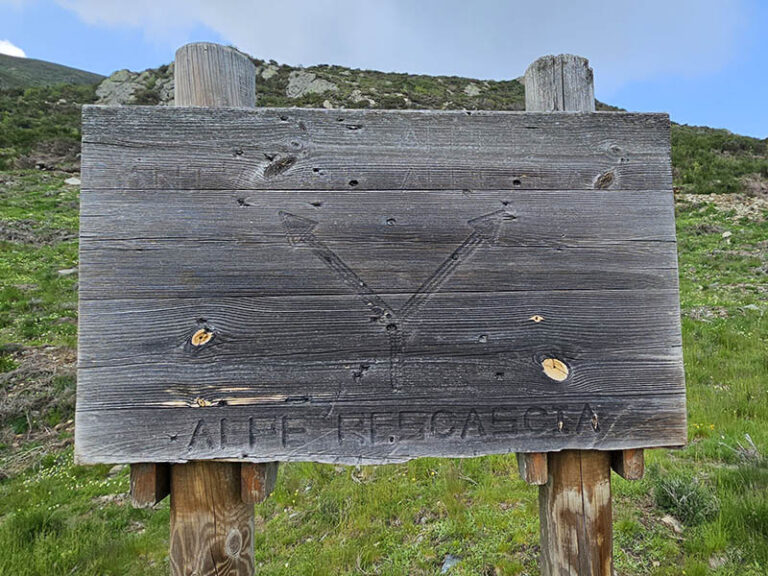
700 510
27 72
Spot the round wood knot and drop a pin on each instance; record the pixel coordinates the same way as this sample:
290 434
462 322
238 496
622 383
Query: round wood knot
234 543
536 318
201 337
555 369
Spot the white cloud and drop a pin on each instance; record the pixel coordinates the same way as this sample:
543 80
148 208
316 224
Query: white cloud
9 48
625 41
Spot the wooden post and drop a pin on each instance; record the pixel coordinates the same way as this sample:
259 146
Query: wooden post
150 483
575 485
575 515
212 502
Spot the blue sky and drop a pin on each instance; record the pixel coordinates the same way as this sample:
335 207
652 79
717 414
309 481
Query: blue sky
703 61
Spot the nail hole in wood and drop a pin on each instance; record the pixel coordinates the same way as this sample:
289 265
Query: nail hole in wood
353 183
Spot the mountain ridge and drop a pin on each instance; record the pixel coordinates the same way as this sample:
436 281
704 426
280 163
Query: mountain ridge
26 72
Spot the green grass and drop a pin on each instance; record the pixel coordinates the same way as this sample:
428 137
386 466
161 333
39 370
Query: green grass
56 518
38 231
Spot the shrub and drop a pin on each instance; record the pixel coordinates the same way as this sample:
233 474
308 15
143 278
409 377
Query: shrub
686 497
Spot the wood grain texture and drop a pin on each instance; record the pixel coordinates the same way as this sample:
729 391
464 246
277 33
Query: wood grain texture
150 483
533 467
559 84
375 432
575 515
209 148
629 464
207 74
374 286
211 527
257 481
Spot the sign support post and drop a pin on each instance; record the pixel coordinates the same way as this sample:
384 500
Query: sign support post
574 485
212 515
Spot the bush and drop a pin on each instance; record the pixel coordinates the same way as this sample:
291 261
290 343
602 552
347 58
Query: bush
687 498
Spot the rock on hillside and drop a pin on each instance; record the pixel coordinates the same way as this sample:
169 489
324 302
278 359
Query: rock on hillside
153 86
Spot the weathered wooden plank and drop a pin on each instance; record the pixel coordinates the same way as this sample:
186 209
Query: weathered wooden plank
379 432
534 218
118 332
202 148
268 382
207 270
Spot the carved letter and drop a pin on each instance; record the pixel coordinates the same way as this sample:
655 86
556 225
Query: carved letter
504 421
442 423
201 434
473 419
534 411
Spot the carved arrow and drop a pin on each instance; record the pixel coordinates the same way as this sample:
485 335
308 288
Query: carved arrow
485 229
300 233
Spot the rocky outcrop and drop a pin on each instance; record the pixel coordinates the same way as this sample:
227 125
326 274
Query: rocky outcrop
301 83
153 86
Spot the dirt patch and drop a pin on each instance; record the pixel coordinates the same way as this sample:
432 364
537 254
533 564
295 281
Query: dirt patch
57 154
752 205
31 232
705 313
37 396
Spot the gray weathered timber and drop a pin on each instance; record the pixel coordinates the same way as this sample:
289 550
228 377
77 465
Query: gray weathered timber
208 148
369 286
377 432
210 75
575 501
563 83
596 240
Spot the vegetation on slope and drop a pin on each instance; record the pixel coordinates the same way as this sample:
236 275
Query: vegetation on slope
40 126
701 510
27 72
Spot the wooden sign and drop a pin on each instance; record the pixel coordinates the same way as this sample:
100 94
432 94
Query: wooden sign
373 286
